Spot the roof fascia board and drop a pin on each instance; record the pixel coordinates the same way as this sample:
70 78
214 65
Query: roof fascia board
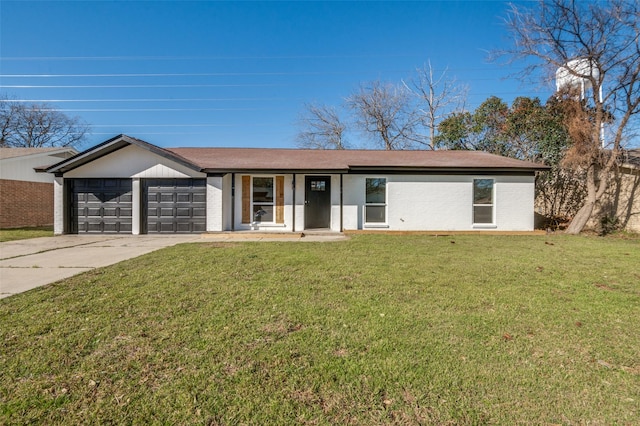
110 146
387 171
276 171
89 155
410 170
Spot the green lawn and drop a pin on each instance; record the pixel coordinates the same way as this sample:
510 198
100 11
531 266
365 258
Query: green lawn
24 233
374 330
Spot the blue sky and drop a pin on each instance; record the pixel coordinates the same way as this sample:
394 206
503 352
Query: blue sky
211 73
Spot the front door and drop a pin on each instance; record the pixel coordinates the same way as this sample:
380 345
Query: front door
317 203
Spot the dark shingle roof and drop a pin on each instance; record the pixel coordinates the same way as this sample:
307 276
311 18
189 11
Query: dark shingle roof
632 158
224 160
237 159
23 152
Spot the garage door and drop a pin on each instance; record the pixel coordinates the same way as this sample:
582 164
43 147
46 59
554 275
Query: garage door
100 206
175 205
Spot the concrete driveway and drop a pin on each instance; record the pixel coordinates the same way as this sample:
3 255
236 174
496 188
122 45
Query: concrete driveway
27 264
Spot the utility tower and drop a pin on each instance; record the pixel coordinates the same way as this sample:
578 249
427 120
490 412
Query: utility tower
579 73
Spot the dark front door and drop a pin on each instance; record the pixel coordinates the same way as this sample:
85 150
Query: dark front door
317 203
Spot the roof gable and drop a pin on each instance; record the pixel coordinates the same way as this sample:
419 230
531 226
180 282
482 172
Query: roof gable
112 145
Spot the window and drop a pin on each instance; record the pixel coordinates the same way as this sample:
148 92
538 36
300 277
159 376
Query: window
319 185
483 201
375 209
262 199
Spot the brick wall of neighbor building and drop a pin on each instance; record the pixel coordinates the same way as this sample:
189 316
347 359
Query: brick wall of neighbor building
623 200
25 204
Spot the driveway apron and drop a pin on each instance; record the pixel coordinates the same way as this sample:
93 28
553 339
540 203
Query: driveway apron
27 264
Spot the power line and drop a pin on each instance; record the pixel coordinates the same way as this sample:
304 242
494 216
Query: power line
153 109
198 58
161 100
211 74
229 74
135 86
188 125
74 100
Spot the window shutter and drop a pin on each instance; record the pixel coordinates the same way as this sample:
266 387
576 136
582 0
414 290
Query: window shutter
246 199
279 199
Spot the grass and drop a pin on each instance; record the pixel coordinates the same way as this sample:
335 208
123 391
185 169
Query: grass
25 233
375 330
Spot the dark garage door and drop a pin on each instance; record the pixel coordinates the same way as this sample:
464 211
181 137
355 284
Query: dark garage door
175 205
100 206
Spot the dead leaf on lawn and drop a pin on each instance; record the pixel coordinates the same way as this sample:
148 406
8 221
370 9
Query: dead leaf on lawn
603 286
342 352
604 364
507 337
632 370
293 328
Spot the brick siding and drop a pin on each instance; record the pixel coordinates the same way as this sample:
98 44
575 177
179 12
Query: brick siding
25 204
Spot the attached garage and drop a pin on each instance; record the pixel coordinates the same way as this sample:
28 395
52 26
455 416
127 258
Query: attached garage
174 205
128 186
100 206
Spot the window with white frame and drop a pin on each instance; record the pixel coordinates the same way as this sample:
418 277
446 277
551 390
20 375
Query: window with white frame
375 209
262 199
483 200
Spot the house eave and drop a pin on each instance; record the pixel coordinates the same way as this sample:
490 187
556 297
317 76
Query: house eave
444 170
276 171
113 145
382 170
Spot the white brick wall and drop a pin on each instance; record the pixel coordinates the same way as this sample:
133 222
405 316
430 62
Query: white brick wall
441 203
214 204
58 205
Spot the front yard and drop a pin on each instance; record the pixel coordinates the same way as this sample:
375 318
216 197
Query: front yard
25 233
374 330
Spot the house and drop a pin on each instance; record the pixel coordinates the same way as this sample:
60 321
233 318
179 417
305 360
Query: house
26 197
125 185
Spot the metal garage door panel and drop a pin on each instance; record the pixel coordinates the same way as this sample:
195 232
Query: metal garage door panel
175 205
101 205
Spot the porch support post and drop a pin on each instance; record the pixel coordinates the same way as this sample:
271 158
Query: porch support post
341 209
293 187
233 201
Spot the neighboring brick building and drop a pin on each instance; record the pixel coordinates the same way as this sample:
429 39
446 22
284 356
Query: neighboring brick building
623 201
26 197
619 208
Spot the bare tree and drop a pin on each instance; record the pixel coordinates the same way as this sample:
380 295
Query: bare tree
38 125
438 97
384 112
597 45
321 128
